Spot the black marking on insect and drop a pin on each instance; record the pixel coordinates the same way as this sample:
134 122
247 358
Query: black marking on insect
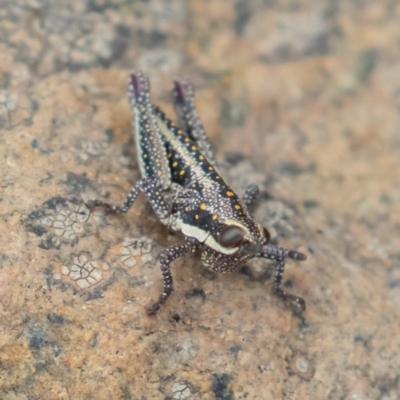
203 207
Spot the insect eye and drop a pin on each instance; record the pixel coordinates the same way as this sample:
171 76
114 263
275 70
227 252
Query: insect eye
230 236
267 236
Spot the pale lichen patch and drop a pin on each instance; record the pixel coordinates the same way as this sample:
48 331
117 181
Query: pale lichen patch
136 250
85 272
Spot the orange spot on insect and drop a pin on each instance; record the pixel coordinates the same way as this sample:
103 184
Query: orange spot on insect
214 216
229 193
169 155
237 207
179 132
196 216
182 172
175 163
194 148
186 208
187 139
210 168
201 157
202 206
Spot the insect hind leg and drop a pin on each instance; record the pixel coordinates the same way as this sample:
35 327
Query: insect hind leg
150 147
183 97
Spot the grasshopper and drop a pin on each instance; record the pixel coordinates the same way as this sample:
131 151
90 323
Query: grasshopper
185 189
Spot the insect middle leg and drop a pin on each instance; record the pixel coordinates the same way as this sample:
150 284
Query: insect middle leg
250 196
152 189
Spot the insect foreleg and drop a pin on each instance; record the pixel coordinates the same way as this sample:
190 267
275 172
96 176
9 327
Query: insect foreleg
279 255
166 258
298 301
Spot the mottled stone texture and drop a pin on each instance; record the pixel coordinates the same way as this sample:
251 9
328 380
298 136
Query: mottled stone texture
301 97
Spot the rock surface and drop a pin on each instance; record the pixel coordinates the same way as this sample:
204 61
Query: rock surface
302 98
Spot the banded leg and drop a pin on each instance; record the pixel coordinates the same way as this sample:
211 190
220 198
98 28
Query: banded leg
150 148
250 196
279 255
150 188
291 298
183 96
166 258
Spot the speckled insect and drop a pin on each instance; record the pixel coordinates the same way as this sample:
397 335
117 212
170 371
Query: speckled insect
186 191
